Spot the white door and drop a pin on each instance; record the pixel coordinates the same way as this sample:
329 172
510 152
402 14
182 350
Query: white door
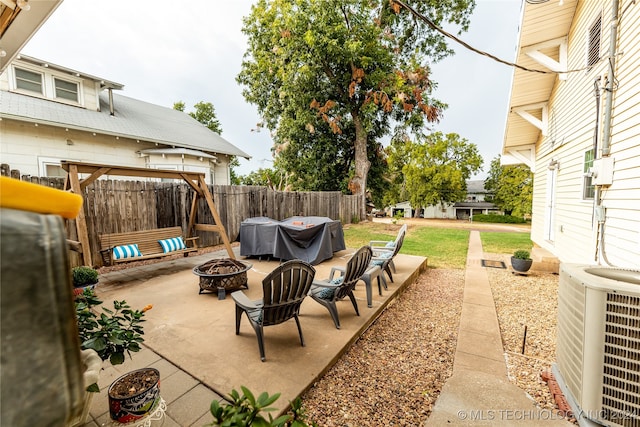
550 207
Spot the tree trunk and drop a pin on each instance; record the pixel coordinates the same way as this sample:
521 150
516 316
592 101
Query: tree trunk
358 184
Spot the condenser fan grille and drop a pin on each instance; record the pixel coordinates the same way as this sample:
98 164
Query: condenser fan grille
621 380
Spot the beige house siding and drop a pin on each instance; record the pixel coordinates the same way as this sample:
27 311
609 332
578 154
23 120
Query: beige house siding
572 123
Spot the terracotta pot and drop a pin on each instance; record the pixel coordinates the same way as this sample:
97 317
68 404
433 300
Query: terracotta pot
139 405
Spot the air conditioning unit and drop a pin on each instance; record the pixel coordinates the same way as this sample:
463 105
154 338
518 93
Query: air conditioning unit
598 348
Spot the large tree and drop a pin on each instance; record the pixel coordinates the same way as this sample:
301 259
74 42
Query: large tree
511 187
433 171
330 76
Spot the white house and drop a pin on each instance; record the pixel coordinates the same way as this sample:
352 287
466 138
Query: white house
473 205
577 126
51 113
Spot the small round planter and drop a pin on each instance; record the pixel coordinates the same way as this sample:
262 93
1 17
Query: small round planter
126 405
521 265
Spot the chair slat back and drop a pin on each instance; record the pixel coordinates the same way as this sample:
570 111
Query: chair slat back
355 268
399 240
284 289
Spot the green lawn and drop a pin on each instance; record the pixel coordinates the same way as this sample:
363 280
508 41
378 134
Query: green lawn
505 243
445 247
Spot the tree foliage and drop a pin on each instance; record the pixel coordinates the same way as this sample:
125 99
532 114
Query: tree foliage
275 178
511 187
330 77
204 112
432 172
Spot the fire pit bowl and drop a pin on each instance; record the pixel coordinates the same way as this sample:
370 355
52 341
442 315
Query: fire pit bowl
222 274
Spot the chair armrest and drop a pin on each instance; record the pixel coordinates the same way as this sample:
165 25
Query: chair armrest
377 252
341 270
322 284
193 241
243 301
379 242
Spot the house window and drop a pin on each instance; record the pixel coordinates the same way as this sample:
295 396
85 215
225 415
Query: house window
588 190
29 80
593 51
54 171
66 90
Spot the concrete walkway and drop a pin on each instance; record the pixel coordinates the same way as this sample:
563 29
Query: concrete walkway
479 392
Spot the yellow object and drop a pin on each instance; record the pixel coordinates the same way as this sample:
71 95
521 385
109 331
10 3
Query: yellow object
22 195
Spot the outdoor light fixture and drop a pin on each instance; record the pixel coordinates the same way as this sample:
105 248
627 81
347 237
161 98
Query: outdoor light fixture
553 165
3 53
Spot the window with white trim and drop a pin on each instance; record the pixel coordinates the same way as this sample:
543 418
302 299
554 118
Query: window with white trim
65 89
593 49
50 167
29 80
588 189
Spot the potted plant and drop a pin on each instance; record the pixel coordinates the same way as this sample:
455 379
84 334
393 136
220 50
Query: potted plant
83 277
521 261
111 334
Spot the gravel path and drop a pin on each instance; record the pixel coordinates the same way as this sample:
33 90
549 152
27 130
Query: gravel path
393 375
529 301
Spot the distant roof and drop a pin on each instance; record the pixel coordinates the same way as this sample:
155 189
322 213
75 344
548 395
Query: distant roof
476 186
475 205
132 119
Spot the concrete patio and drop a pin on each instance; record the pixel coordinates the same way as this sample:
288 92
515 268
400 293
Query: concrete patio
190 337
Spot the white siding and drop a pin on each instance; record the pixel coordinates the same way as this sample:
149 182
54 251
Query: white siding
574 107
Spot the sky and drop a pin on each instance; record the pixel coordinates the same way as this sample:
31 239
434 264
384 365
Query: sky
163 53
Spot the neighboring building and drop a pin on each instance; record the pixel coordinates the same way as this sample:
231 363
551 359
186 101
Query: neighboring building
51 113
579 131
473 205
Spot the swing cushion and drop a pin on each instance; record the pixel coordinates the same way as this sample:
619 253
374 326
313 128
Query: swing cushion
173 244
126 251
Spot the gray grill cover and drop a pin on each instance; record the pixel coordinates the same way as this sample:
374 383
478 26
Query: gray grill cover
310 238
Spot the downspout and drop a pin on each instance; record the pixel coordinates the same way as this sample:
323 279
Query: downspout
606 131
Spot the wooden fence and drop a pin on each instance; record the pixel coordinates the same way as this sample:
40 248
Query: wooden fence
113 205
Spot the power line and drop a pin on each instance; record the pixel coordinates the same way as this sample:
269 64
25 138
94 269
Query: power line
481 52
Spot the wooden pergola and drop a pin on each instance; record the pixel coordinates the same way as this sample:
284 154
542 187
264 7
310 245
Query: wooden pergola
195 180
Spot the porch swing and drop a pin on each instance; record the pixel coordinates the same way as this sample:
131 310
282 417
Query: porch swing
157 242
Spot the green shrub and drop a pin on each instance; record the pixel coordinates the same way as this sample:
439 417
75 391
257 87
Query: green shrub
503 219
112 332
83 276
245 410
521 254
